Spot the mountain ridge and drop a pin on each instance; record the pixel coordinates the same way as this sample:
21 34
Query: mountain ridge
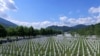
7 23
66 28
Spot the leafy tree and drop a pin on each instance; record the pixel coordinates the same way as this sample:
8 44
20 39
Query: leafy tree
32 31
26 31
11 31
20 31
97 29
3 31
42 31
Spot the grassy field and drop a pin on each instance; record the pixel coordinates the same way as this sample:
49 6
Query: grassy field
52 46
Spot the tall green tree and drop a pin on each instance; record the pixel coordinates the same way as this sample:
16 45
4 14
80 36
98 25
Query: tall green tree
26 31
32 31
42 31
20 31
97 29
3 31
11 31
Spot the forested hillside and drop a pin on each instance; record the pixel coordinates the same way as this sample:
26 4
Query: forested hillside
90 30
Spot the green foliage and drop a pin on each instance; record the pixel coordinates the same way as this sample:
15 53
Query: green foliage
48 31
97 29
32 31
3 31
26 31
90 30
11 31
20 31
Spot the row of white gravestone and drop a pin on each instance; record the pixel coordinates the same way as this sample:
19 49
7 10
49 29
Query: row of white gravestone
91 47
83 49
94 48
28 48
74 48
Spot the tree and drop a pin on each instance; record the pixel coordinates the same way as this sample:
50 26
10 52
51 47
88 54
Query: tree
42 31
11 31
3 31
20 31
97 29
26 31
32 31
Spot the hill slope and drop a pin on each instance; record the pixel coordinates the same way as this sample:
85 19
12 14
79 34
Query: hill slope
66 28
90 30
7 23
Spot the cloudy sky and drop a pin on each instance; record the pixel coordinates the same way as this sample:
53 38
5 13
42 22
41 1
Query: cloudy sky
43 13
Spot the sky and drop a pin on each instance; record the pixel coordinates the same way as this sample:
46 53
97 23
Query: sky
43 13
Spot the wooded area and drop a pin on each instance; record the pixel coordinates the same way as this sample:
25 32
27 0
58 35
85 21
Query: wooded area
26 31
90 30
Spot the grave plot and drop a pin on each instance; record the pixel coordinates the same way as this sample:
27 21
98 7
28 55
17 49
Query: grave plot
52 46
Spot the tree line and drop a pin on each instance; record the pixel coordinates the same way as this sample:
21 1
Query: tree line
26 31
90 30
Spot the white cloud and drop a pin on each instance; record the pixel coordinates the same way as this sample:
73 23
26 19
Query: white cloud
94 10
83 20
97 18
74 21
6 5
3 14
68 22
10 4
63 18
37 25
86 20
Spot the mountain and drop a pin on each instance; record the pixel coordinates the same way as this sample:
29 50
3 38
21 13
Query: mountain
62 28
7 23
79 26
66 28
